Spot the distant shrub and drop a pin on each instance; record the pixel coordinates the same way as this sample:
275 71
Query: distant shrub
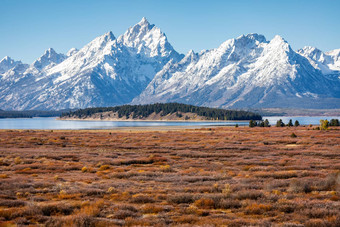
205 203
142 199
166 168
249 194
316 223
17 160
300 186
111 190
181 198
324 124
84 169
280 123
228 204
104 167
334 122
152 209
3 176
187 219
257 208
122 214
293 135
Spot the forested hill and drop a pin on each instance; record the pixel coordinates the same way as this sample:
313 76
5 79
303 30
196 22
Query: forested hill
161 111
29 113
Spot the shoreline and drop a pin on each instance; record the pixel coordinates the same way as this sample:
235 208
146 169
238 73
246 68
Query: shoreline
141 120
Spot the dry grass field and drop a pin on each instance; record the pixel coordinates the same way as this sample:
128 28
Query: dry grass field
204 177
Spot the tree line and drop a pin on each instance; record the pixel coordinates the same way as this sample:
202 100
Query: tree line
324 124
29 113
143 111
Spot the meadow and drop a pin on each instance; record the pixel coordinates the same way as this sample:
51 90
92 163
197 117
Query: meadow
205 177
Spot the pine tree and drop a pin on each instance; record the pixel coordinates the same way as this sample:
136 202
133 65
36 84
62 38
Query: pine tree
261 124
266 123
334 122
280 123
251 124
290 123
297 123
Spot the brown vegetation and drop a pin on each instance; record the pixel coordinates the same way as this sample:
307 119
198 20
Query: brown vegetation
210 176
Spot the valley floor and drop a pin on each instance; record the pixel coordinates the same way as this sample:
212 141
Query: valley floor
209 176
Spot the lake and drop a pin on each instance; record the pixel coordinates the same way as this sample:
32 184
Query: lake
52 123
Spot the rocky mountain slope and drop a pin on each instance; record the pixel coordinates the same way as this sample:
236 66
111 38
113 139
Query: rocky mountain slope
249 71
105 72
142 67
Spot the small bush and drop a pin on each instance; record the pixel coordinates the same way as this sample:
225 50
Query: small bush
204 203
181 198
228 204
300 186
142 199
122 214
257 208
293 135
249 194
104 167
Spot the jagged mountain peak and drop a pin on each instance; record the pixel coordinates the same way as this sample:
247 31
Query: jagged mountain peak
310 51
279 41
7 63
279 45
327 62
109 36
335 53
253 36
6 59
135 34
189 57
50 51
48 59
141 66
71 52
144 21
147 39
102 40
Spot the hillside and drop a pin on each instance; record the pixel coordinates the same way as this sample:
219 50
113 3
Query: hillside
159 111
248 72
142 67
29 113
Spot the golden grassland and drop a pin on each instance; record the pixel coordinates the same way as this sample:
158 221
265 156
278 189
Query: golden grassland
204 177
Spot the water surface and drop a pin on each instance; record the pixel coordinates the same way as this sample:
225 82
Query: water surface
52 123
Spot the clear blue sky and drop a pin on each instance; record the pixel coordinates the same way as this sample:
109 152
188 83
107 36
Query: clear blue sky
29 27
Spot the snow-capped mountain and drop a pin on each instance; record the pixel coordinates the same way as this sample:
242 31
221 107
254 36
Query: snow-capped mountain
7 63
141 67
72 51
105 72
246 72
326 62
49 59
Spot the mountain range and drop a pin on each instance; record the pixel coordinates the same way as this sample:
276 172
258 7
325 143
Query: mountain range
141 66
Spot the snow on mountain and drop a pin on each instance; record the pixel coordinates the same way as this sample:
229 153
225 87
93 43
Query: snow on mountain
71 52
7 63
141 67
49 59
148 40
244 72
105 72
327 62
